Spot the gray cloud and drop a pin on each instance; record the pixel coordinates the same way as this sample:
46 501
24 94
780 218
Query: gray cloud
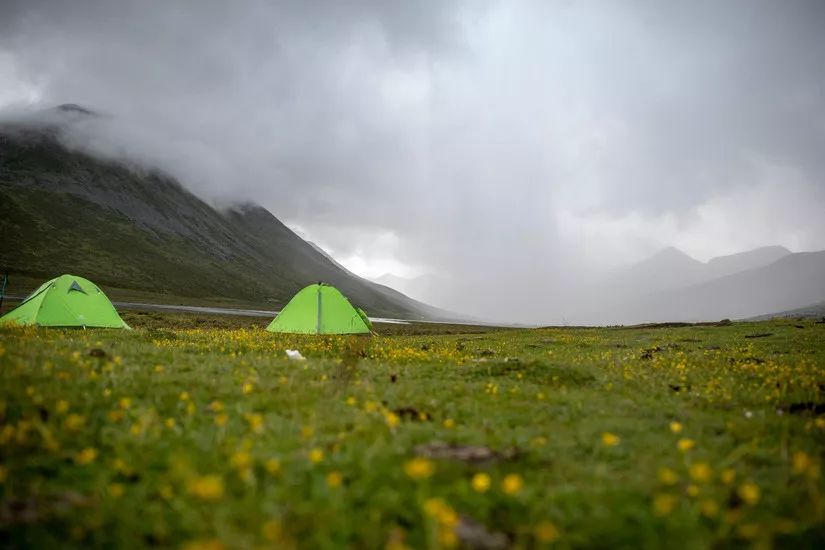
488 138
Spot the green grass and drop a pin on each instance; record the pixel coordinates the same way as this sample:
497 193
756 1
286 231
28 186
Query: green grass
262 452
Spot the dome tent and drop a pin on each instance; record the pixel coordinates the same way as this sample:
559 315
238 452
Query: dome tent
66 301
320 309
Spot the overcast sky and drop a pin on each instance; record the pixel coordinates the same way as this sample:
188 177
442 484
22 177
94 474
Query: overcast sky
507 145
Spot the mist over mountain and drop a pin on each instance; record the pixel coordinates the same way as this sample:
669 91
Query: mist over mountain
125 225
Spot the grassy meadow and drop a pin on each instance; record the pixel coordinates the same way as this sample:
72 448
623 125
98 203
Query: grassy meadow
197 432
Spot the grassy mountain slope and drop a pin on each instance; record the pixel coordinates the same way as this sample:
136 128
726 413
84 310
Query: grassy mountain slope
816 311
64 211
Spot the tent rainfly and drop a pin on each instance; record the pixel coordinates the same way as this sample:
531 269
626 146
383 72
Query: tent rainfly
66 301
320 309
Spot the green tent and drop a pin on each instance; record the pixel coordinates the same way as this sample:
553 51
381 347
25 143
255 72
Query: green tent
67 301
320 309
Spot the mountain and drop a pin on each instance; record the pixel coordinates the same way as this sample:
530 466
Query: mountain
672 286
668 268
671 268
735 263
131 228
794 281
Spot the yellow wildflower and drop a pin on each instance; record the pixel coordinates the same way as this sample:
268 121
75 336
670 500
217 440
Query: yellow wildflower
120 466
316 455
700 472
170 423
62 406
447 538
449 423
221 419
248 388
124 403
208 487
709 508
676 427
256 421
116 490
668 476
73 422
273 466
511 484
334 479
685 444
392 419
749 492
546 532
728 475
445 515
663 504
86 456
419 468
432 506
610 440
480 482
184 396
241 460
801 462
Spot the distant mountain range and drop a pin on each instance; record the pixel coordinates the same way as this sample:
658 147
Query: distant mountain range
671 268
128 227
672 286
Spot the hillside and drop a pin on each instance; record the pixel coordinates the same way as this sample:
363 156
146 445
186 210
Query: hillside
814 311
125 227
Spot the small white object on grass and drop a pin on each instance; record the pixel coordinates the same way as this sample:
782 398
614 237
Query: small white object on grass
295 355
